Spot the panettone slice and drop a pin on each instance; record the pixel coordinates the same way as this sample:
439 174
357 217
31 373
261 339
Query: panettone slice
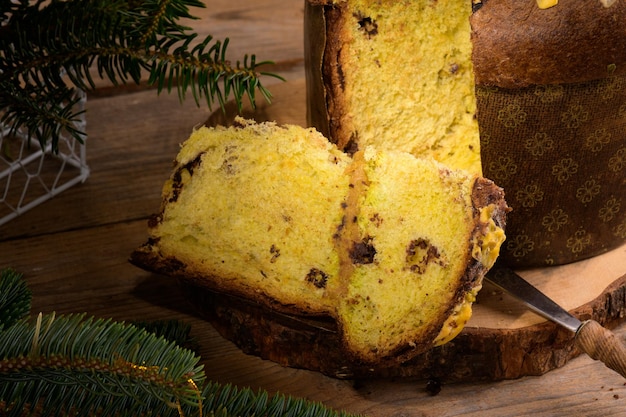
389 247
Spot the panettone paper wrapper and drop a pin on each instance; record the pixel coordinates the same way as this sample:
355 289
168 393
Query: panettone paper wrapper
559 151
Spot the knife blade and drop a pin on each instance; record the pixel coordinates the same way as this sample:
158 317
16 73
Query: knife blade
589 336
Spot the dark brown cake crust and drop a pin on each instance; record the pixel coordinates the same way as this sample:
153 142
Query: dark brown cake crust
516 44
325 83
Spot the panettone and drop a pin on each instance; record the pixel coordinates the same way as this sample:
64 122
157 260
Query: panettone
551 93
550 104
390 247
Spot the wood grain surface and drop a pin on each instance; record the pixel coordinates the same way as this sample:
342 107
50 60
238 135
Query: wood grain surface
73 250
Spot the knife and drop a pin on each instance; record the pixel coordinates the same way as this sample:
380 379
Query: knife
589 336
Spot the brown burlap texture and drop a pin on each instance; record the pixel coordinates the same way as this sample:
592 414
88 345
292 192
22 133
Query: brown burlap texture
559 151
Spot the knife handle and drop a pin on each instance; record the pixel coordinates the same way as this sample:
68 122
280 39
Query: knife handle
603 345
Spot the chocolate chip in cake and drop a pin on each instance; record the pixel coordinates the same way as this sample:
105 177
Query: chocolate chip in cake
341 226
363 252
154 220
177 178
367 25
275 254
352 146
317 277
420 253
376 219
194 163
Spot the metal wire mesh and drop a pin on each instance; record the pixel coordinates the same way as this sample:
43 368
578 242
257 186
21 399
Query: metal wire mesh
31 175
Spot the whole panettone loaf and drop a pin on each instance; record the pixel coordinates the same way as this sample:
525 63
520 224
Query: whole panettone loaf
551 91
546 89
391 248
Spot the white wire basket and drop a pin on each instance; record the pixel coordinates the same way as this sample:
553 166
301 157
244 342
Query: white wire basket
31 175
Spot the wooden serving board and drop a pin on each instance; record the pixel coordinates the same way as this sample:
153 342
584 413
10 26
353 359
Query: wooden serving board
503 340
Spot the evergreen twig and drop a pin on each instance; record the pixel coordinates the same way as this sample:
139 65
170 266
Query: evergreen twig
99 367
48 49
82 366
15 298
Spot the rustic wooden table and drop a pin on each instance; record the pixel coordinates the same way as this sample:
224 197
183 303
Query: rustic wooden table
74 249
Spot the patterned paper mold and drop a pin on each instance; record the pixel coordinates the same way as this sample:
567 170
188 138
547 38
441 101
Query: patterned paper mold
560 153
31 175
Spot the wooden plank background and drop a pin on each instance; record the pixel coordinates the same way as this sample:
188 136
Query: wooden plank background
73 250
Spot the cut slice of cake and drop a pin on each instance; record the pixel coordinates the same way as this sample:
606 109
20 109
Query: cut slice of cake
391 247
426 249
394 74
252 211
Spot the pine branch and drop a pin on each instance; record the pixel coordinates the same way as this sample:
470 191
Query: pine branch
15 298
43 114
229 401
97 366
82 366
48 49
172 330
